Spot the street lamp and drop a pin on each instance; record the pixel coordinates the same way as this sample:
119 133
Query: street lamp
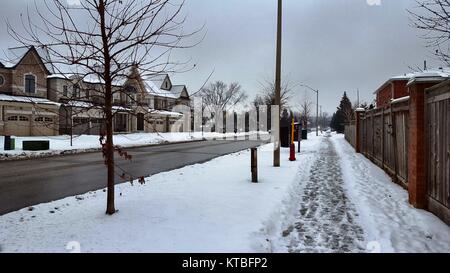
317 106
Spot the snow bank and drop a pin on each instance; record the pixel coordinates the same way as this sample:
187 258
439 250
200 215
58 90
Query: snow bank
390 223
210 207
86 143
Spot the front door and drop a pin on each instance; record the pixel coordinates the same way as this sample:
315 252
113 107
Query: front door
140 122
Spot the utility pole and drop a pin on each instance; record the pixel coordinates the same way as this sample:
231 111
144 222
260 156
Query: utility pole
321 119
276 152
317 106
317 115
357 94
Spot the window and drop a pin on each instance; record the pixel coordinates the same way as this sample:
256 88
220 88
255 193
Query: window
65 90
13 118
48 119
39 119
2 80
130 89
76 91
22 118
30 84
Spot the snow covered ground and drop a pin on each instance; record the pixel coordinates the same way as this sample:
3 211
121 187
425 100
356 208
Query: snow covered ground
345 203
329 200
210 207
84 143
390 223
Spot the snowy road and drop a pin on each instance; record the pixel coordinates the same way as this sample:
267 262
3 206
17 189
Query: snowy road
325 218
30 182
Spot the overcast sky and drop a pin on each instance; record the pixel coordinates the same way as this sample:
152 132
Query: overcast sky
332 45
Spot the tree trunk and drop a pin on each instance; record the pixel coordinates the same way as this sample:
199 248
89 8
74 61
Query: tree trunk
110 207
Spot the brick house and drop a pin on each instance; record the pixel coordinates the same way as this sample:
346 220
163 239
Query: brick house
36 101
24 106
139 105
397 87
393 88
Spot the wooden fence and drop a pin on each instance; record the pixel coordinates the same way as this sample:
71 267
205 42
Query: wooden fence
384 139
350 133
437 139
384 136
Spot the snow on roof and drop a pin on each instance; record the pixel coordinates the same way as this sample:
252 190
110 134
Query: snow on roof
79 104
165 113
177 90
4 97
154 90
60 76
92 79
443 72
15 55
158 78
398 100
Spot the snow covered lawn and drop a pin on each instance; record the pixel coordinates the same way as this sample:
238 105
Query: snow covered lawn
390 223
84 143
210 207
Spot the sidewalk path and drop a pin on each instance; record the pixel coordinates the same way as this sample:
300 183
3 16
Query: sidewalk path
325 220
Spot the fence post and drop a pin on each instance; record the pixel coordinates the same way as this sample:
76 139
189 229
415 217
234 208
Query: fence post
358 136
394 141
417 169
383 132
254 164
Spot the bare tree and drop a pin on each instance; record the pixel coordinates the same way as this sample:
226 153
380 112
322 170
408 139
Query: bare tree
306 107
222 95
267 94
112 38
324 120
433 17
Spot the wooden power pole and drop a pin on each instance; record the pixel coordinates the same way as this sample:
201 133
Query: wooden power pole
276 153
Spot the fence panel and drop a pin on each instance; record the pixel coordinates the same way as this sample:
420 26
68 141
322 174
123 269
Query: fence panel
384 139
378 137
350 133
401 144
438 149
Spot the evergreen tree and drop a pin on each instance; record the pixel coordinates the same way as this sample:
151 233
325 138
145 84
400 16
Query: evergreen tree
343 115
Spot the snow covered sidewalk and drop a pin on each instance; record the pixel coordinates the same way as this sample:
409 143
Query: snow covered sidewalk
344 203
325 220
390 223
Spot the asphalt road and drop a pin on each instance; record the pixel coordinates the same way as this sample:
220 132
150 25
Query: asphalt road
30 182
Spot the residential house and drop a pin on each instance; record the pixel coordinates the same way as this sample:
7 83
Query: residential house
36 101
397 87
24 106
139 105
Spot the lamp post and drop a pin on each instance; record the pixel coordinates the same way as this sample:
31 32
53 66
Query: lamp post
317 106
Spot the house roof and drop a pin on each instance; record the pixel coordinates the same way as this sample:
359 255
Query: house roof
430 73
158 78
153 89
24 99
16 55
152 84
177 90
